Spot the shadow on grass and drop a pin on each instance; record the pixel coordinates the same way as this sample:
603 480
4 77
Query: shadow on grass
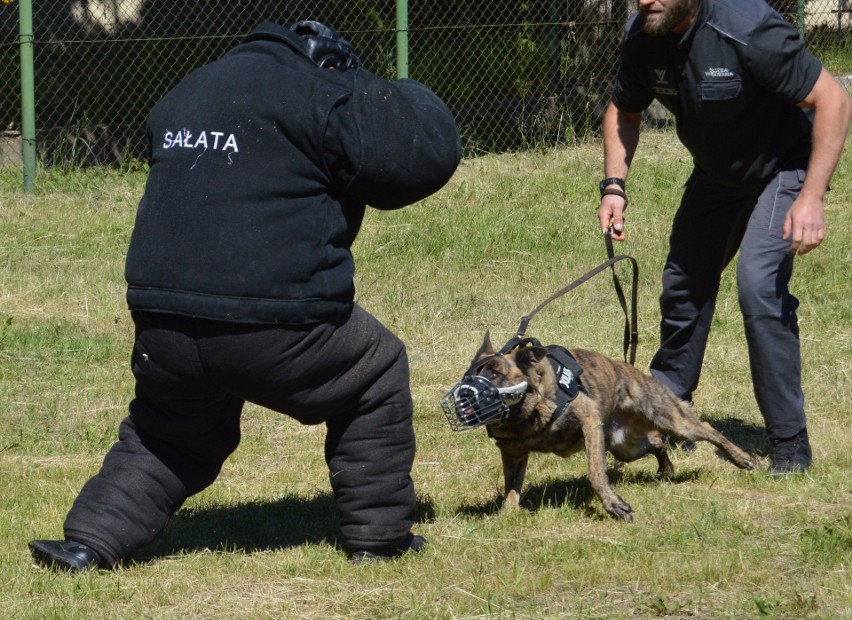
576 492
290 521
748 437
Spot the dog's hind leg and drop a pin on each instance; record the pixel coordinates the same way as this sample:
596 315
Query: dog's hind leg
665 469
514 470
734 454
682 423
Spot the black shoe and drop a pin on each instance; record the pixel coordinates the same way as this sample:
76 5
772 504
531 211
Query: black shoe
64 555
412 542
792 455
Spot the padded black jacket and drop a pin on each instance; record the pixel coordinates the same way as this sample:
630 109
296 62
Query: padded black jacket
261 165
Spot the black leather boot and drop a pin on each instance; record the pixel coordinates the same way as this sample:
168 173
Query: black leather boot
64 555
411 542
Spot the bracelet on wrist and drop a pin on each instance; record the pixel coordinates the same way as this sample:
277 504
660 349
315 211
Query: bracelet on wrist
612 181
611 191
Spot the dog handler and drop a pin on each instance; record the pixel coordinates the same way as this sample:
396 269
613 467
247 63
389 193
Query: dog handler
241 288
765 124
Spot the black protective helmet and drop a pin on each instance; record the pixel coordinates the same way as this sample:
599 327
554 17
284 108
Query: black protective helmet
325 47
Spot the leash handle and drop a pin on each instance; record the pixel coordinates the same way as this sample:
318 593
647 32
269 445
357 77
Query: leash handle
631 331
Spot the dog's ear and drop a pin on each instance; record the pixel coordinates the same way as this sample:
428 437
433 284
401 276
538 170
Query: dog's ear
486 349
527 357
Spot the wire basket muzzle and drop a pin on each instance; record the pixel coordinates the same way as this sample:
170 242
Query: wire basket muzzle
473 402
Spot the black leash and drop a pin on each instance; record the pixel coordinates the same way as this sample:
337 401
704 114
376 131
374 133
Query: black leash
631 333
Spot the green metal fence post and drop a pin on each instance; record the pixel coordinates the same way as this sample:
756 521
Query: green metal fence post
401 39
25 14
800 19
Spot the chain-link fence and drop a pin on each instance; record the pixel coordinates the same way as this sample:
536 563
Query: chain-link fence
516 73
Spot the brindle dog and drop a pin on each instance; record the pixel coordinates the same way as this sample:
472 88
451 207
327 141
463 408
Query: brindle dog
618 408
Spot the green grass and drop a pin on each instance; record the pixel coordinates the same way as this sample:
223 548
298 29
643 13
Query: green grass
505 233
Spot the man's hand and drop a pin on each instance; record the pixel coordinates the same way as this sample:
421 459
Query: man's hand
621 136
611 215
804 224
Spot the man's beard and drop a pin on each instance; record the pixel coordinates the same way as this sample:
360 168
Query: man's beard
661 24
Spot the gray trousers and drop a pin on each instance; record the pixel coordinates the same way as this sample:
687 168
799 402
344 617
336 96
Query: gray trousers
712 223
193 378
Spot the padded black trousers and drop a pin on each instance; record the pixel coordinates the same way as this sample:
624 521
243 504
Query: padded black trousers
192 380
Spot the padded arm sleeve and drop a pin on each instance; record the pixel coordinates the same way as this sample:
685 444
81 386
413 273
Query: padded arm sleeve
391 143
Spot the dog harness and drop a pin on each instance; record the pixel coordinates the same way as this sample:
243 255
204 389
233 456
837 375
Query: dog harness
475 401
567 371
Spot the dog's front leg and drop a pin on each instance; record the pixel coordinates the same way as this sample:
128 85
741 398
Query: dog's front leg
514 469
593 434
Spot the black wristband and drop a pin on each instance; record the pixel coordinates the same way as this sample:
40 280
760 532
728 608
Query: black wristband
611 181
616 192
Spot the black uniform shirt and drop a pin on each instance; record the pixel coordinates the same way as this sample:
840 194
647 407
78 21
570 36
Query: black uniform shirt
733 82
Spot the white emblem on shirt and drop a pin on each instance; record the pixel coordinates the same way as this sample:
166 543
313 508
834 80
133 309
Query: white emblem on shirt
185 138
719 72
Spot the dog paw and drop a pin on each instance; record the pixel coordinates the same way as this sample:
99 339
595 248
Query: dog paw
512 500
744 461
619 509
665 473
